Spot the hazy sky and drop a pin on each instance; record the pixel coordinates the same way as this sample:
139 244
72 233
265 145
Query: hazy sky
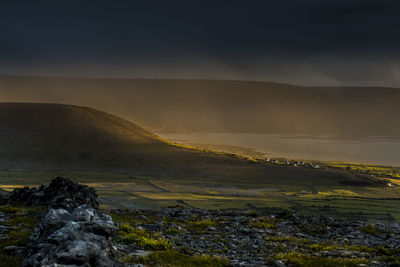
319 42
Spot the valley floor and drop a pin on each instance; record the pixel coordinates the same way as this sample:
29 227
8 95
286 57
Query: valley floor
372 203
209 222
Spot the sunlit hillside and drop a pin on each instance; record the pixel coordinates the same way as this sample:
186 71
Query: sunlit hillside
64 137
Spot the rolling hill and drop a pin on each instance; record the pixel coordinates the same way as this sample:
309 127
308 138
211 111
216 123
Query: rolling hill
46 137
222 106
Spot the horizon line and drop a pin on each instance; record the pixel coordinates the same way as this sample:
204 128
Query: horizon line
74 77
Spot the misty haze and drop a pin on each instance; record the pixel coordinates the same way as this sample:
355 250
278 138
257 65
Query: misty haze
339 124
372 150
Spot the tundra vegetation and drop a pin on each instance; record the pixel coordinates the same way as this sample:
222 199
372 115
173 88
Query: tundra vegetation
232 237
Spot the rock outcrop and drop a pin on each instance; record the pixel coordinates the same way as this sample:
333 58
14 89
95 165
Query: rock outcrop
80 237
61 193
73 232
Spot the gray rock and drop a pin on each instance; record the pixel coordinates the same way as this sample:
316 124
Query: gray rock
280 263
140 253
73 232
80 237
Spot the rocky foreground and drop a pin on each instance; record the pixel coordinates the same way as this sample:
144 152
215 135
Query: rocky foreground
71 230
251 239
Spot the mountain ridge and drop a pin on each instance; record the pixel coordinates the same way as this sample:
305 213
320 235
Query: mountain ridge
222 106
12 76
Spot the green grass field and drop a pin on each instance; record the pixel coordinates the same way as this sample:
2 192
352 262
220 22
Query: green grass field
374 203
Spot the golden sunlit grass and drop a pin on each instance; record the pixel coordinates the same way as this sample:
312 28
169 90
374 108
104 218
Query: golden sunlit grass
305 260
199 148
264 223
187 196
395 181
12 187
333 193
130 235
378 170
215 152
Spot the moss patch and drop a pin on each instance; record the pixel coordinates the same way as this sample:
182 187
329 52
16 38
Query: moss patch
300 260
130 235
174 258
22 220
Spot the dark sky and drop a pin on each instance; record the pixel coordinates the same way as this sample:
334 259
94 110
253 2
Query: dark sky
319 42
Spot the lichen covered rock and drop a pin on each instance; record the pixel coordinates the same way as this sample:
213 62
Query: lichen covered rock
72 232
82 237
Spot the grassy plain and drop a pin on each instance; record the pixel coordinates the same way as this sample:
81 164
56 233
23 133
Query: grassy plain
116 190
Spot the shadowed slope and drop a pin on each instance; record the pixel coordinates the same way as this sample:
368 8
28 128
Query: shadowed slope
53 136
63 127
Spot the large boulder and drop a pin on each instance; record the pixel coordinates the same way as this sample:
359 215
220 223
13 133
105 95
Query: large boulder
72 232
81 237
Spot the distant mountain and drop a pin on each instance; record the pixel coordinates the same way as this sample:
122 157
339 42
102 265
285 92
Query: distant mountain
222 106
64 137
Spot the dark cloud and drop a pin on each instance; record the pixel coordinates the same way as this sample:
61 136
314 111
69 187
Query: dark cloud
217 39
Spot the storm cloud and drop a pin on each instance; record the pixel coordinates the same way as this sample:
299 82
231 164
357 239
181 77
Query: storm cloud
331 42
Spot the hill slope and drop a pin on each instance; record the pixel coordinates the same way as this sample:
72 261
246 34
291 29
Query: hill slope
63 127
228 106
64 137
